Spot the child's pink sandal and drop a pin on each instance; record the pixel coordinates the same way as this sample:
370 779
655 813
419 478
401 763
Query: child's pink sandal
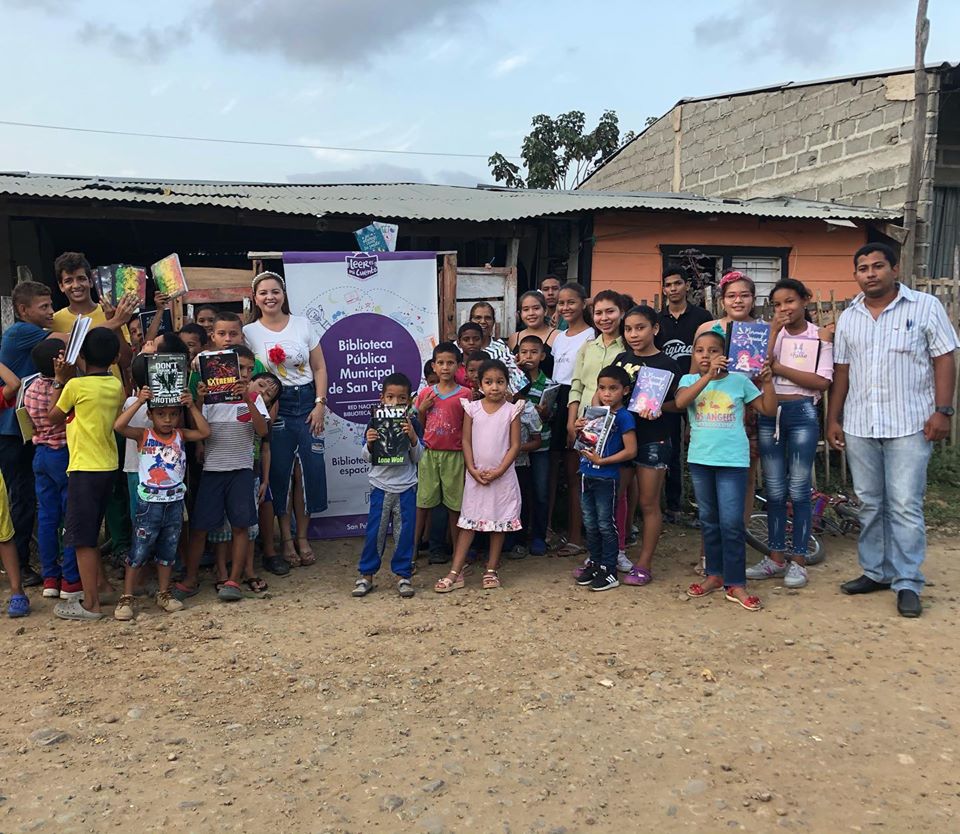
448 583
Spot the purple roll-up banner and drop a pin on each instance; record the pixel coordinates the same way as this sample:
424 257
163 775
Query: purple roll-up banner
376 314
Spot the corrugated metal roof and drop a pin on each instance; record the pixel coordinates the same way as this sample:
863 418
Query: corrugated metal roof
408 201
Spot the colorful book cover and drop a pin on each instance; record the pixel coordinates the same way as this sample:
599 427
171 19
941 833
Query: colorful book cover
593 436
650 390
390 232
220 372
168 276
166 378
800 353
130 280
747 346
392 447
103 281
371 239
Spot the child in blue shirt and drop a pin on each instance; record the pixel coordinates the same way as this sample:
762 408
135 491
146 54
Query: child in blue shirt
600 480
393 497
719 460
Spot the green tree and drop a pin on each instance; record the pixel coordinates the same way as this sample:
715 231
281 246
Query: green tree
557 153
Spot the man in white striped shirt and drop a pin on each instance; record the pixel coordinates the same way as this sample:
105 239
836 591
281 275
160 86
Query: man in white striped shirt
893 355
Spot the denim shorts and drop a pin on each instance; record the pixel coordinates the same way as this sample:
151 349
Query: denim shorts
156 532
654 455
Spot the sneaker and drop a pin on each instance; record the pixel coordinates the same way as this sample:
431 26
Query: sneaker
586 567
124 610
29 578
604 580
70 590
766 568
587 573
51 588
624 565
796 576
167 602
518 551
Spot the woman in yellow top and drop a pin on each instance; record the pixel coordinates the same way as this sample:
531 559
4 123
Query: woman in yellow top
594 355
75 279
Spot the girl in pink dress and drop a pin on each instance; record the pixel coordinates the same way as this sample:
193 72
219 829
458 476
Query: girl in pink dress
491 494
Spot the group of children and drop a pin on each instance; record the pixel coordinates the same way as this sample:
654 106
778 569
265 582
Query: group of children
219 450
480 444
484 443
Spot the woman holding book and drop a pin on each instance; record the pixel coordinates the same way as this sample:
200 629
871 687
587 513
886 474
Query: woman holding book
801 358
288 346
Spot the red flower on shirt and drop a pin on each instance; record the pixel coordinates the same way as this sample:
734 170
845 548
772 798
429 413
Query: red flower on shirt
276 355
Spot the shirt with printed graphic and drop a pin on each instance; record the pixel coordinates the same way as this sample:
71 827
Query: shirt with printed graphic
443 423
161 465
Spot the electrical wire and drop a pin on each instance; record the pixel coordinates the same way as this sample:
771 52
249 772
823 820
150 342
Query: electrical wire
105 132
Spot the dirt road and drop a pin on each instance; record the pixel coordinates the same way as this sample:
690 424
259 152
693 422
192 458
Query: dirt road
541 707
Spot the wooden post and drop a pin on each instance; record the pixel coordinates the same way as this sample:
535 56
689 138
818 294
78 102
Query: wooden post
954 311
176 313
573 252
448 296
908 258
513 251
826 403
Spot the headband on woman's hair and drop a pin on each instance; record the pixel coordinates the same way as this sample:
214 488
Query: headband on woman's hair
267 274
730 277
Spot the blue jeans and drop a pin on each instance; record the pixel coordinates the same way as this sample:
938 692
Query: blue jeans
156 532
540 496
50 476
598 503
720 492
787 458
890 479
401 509
291 438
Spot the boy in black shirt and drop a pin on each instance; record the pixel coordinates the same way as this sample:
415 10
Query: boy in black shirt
679 321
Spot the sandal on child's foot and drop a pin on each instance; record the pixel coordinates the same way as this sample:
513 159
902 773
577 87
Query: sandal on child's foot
405 588
256 584
748 602
307 556
491 580
698 589
448 583
362 587
230 592
290 555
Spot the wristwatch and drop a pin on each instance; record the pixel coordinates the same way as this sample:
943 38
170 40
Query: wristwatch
320 401
56 384
945 410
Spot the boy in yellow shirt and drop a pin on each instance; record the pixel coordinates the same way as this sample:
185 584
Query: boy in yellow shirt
95 400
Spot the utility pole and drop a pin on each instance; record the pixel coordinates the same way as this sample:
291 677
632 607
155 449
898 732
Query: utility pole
908 259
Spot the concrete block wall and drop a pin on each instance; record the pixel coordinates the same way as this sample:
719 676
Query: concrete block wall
844 141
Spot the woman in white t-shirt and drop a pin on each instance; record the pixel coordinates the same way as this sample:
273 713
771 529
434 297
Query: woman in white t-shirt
288 346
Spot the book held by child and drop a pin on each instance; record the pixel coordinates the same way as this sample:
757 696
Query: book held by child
392 447
166 378
650 390
220 372
593 436
747 346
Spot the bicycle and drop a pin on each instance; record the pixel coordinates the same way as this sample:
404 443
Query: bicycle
847 519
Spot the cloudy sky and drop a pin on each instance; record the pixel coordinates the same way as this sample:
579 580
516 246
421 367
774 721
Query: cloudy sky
428 76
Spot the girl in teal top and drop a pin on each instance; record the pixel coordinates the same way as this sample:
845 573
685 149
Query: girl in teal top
719 459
